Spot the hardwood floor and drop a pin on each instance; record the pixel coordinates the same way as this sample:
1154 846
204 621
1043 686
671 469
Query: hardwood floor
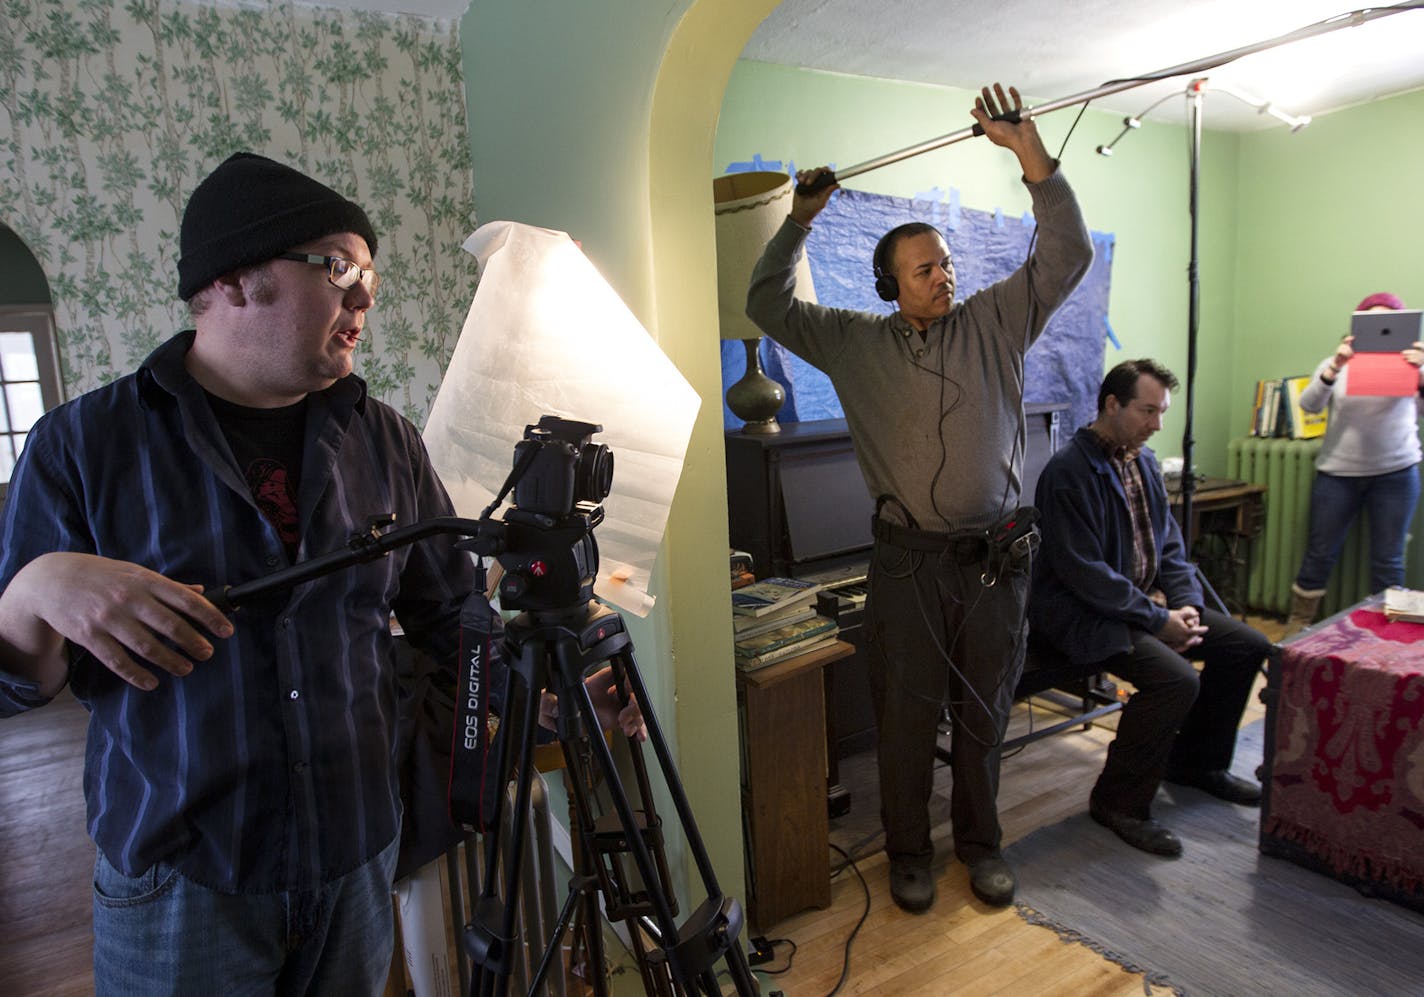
960 945
46 858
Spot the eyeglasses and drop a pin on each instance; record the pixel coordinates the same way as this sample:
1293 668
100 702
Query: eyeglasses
340 271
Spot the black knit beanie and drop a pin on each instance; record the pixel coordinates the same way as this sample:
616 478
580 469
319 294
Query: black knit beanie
250 209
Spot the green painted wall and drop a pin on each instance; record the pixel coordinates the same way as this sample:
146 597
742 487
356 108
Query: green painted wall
1327 216
559 97
1140 195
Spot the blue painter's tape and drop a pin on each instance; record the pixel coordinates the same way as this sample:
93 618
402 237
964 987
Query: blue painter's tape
756 165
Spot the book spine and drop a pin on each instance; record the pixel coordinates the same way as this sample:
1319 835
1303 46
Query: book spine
782 653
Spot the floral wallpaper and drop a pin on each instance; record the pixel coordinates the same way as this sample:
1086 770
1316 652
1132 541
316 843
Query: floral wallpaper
112 111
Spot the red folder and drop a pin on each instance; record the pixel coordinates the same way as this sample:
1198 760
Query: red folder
1386 374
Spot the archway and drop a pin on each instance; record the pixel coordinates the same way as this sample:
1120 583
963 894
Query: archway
30 382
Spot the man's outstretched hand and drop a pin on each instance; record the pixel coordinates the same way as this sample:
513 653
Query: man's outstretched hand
1021 138
115 610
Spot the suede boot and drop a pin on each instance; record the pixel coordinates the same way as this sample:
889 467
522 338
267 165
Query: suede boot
1304 603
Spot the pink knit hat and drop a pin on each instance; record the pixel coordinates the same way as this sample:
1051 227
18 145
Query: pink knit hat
1382 300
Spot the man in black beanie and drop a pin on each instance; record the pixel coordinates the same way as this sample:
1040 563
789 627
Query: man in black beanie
241 774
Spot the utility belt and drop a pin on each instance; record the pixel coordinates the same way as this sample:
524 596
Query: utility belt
964 546
1013 537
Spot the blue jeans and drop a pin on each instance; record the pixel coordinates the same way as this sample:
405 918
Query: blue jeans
160 933
1335 501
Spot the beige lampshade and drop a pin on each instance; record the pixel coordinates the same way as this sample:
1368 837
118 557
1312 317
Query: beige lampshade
750 207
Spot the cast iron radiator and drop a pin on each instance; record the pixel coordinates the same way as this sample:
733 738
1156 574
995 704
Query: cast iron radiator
1287 469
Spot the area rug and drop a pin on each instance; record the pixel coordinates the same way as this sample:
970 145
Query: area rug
1221 920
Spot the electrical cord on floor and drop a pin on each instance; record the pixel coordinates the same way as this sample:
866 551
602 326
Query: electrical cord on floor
845 964
766 951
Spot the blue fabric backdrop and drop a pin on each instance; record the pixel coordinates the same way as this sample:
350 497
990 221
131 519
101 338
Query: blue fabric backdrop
1066 363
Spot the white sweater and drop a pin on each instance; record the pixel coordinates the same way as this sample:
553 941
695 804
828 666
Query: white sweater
1366 434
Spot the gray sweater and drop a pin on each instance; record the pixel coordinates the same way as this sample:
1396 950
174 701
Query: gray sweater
937 422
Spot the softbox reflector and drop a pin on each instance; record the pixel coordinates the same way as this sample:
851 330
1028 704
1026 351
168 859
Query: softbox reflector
547 335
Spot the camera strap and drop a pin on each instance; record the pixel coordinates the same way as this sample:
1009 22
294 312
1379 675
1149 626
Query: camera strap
475 779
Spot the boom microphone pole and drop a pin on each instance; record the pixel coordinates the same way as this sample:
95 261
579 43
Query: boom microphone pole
1350 19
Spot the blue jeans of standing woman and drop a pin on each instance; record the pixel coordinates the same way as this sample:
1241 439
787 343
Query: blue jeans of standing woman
1335 501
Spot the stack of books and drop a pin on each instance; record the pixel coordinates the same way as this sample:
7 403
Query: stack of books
1403 605
1277 411
775 619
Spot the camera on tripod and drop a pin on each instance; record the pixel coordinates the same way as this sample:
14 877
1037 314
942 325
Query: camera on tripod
545 541
560 636
565 469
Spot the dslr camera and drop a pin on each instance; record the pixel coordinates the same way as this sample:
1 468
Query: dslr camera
565 470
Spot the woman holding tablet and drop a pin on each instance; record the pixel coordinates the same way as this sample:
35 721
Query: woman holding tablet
1369 460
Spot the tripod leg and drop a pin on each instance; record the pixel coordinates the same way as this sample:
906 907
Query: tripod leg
490 938
591 917
715 925
579 639
711 931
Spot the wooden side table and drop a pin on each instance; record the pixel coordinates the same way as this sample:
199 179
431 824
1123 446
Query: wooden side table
781 709
1226 517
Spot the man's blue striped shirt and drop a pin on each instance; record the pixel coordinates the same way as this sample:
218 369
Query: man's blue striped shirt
271 766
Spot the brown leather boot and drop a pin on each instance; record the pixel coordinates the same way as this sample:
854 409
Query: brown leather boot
1304 603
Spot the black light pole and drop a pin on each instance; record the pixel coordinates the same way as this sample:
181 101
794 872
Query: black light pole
1189 481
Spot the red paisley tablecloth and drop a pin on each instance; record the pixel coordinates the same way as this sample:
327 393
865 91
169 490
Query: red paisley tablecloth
1347 772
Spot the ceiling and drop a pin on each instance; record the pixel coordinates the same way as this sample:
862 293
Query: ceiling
1056 50
1052 51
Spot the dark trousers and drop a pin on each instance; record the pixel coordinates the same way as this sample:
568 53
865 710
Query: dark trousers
1177 718
925 611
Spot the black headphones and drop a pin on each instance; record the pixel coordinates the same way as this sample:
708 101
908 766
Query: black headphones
885 283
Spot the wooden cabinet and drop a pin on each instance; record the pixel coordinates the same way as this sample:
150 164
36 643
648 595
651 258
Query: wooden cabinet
781 709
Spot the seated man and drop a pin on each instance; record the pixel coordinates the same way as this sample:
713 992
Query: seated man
1113 589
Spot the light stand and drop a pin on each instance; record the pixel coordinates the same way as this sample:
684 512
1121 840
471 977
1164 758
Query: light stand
1195 92
1189 477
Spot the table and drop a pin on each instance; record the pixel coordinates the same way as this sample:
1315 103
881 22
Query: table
781 709
1344 753
1226 516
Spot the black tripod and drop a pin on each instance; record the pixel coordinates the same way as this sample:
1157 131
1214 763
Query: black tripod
553 650
546 546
